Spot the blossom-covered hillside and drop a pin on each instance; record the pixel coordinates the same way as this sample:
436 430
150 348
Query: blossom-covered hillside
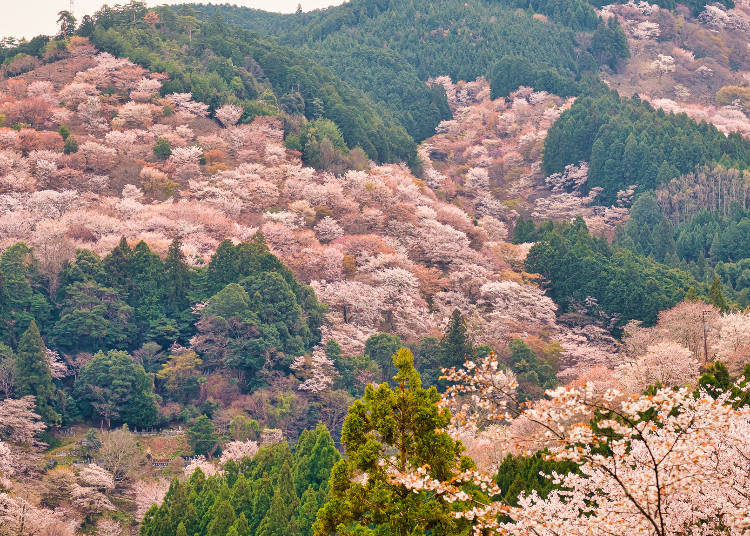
683 63
487 160
219 317
378 245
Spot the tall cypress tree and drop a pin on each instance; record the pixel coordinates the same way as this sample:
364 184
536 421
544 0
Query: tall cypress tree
455 346
716 296
117 266
5 318
33 374
404 424
176 280
280 518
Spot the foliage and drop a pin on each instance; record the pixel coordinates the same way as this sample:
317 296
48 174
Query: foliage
511 72
116 389
534 377
162 149
709 243
372 45
627 142
241 68
392 431
609 45
578 266
524 474
716 381
202 437
33 376
21 293
696 6
277 491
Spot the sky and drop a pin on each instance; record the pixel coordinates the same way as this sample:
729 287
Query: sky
28 18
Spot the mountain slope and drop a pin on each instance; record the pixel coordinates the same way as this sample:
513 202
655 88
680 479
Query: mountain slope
218 63
389 43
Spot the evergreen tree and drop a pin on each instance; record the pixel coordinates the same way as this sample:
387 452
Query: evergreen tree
716 381
315 454
176 280
455 346
534 377
22 293
406 425
310 502
117 266
222 518
691 294
380 348
609 44
116 389
716 296
280 518
202 438
518 474
33 376
240 527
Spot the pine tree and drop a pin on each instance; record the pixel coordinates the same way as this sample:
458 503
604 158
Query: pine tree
310 502
117 266
380 349
33 374
222 268
262 494
222 517
315 454
241 495
241 526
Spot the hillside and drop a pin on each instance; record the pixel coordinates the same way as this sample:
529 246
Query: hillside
220 64
376 269
388 49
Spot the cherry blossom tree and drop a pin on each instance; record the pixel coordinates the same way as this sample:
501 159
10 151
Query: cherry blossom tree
665 363
7 467
317 371
145 90
89 494
134 115
199 462
121 141
91 114
237 450
108 527
513 307
733 346
77 92
184 103
667 463
57 365
32 110
228 115
328 230
98 157
352 301
19 422
148 493
18 516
